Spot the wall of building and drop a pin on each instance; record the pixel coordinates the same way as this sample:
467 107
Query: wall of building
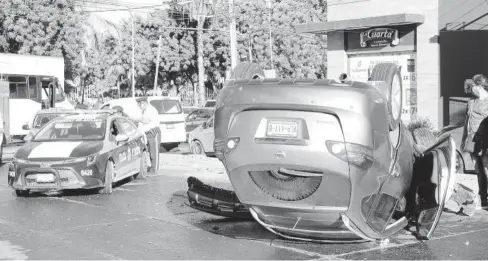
463 15
428 92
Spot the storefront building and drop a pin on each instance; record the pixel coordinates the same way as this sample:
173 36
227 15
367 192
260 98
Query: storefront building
361 33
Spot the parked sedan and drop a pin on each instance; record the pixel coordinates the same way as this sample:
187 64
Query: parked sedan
197 118
80 152
201 139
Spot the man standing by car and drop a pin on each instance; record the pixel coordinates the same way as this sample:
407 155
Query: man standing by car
150 125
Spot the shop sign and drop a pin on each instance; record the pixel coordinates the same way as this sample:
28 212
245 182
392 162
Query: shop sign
379 37
360 68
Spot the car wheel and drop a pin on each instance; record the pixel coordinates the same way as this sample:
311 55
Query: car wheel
144 165
459 163
197 148
247 71
21 193
390 73
109 178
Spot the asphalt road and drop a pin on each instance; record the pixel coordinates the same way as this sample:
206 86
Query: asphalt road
148 219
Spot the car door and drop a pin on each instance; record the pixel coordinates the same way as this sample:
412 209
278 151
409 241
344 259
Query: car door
432 191
133 145
120 150
208 135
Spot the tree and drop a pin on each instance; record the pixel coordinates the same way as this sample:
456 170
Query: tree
43 27
293 55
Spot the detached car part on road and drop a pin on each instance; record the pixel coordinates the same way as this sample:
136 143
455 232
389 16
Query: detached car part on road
328 161
80 152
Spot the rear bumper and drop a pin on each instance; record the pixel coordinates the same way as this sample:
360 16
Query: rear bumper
308 229
172 135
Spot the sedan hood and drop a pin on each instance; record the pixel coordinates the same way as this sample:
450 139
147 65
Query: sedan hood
58 149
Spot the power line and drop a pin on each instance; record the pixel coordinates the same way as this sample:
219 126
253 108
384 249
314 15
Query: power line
474 8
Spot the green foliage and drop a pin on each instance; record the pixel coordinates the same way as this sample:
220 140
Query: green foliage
42 27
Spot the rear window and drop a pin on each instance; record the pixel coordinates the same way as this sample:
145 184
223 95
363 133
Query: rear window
210 104
167 106
43 119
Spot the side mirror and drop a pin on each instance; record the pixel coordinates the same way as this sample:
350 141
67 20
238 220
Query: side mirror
25 127
121 138
204 125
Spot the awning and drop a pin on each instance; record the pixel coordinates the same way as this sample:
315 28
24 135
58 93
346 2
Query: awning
361 23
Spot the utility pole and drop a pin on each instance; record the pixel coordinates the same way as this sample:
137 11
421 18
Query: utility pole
200 99
233 37
270 35
157 64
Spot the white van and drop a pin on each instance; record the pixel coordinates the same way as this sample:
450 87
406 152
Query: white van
171 117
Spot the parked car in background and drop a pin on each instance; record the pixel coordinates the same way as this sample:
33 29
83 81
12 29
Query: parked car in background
464 164
42 117
80 152
201 138
210 104
197 118
188 109
171 117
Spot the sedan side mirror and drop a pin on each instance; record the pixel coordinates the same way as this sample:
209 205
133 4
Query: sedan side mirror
121 138
25 127
204 125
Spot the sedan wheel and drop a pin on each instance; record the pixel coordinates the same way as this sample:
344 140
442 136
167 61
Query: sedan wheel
109 178
197 148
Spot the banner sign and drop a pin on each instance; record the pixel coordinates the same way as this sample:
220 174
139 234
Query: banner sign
379 37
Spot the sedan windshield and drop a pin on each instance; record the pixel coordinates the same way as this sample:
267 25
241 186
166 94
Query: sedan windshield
69 129
43 119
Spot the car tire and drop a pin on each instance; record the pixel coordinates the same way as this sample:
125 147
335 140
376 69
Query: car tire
390 73
144 165
247 71
197 148
109 177
459 163
21 193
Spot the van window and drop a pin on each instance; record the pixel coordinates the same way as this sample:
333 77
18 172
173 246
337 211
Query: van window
167 106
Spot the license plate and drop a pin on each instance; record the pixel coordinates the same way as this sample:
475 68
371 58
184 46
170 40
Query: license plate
170 126
288 129
45 178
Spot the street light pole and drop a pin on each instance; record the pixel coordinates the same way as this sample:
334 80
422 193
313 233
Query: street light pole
270 36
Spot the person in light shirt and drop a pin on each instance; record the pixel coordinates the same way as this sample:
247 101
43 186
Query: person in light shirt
149 122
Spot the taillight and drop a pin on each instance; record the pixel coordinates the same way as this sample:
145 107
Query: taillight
225 146
355 154
231 144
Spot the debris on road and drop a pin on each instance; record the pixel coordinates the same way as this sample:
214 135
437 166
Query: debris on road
463 200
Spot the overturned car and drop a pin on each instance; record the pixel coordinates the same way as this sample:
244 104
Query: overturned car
325 160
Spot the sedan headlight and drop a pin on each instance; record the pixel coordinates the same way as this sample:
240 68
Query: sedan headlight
91 159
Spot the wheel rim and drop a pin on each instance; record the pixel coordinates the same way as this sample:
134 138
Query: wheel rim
198 148
396 96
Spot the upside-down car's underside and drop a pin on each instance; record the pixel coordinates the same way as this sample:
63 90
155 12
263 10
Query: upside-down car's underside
323 161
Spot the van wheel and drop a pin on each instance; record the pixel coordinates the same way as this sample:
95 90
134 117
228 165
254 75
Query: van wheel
390 73
109 178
